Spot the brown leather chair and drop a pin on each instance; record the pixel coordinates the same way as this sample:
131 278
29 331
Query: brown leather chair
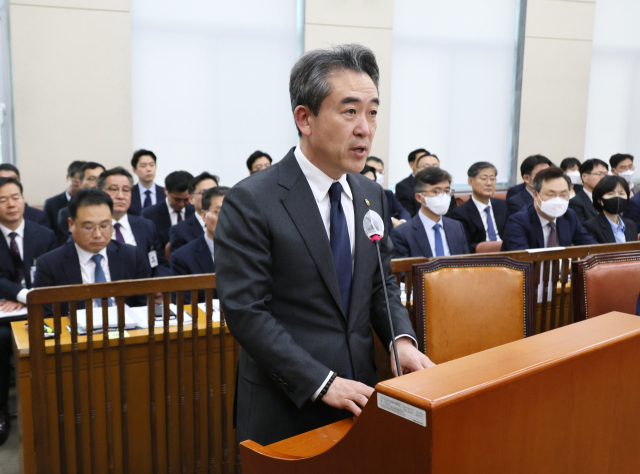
606 282
502 196
468 305
488 247
462 198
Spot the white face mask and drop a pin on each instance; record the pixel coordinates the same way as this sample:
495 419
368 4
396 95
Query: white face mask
627 175
554 207
439 204
380 179
574 176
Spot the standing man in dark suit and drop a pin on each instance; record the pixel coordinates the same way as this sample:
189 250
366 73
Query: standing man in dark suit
21 242
297 277
548 222
193 227
397 213
53 205
592 171
146 192
130 229
91 257
610 198
429 233
405 193
32 214
197 256
483 217
173 209
529 168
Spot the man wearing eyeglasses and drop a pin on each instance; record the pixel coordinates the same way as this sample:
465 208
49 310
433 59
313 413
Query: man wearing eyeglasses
591 171
91 257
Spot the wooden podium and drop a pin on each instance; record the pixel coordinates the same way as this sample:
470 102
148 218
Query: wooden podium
566 401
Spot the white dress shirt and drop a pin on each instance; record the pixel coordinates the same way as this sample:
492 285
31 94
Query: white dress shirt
66 193
201 221
210 245
125 230
143 194
588 193
22 294
88 267
483 215
174 215
546 230
431 234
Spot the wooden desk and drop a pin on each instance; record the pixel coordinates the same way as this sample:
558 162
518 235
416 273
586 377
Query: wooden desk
137 379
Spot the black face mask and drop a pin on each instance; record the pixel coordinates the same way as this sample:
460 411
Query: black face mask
615 205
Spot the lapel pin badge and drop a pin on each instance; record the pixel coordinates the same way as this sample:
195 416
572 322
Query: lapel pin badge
366 202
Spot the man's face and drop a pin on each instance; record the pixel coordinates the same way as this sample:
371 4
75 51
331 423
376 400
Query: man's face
412 164
484 184
210 217
177 200
624 165
9 174
427 161
73 184
260 164
433 190
202 186
376 166
146 168
92 227
11 205
340 136
552 188
119 188
90 179
528 178
592 178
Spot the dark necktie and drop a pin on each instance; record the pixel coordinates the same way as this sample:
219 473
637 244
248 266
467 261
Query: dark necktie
179 216
119 236
340 244
491 230
147 200
98 275
438 240
17 259
552 236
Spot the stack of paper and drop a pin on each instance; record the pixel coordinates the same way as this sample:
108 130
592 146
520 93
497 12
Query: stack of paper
215 317
141 315
129 321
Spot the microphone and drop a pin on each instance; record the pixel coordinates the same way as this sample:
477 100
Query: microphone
374 228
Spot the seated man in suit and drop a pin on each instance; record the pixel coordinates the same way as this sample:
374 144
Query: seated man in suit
146 193
30 213
529 168
91 257
174 209
591 171
397 213
483 217
548 222
88 179
430 160
193 227
258 160
429 234
610 198
131 229
571 167
405 193
196 257
21 242
53 205
622 165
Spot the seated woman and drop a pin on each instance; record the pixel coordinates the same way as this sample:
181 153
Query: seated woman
610 198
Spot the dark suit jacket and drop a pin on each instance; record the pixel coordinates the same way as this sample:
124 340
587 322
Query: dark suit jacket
194 258
516 202
52 208
36 215
517 189
633 209
144 231
136 204
582 206
279 289
410 239
62 267
159 215
406 195
63 225
524 231
37 240
395 209
467 214
183 233
600 229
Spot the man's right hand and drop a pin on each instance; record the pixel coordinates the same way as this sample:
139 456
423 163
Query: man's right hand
10 306
347 394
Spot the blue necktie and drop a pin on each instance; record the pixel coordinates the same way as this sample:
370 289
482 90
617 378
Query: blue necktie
147 200
98 276
439 246
490 229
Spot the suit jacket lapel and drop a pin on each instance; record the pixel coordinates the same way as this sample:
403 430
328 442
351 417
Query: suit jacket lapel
536 227
454 249
115 265
4 250
28 250
475 217
72 270
194 227
420 235
135 197
303 210
606 228
204 256
165 218
563 232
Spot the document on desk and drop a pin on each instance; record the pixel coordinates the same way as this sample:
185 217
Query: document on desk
141 315
215 317
13 314
129 319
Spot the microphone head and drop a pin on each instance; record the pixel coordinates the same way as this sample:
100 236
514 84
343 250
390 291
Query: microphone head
373 225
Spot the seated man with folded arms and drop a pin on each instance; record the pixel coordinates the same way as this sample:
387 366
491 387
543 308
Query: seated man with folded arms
428 233
131 229
529 168
21 242
30 213
196 257
91 257
483 217
591 171
548 222
192 227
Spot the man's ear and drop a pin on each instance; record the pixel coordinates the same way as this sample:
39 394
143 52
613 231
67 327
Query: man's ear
71 224
527 179
470 181
190 199
302 115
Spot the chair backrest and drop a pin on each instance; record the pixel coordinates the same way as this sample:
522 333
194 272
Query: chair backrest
462 198
488 247
502 196
464 306
606 282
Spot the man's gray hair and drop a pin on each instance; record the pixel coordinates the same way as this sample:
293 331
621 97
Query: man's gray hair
308 84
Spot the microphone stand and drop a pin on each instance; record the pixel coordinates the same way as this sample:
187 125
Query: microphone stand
376 240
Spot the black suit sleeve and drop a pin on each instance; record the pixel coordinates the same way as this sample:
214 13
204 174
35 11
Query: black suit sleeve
400 246
578 208
141 271
176 238
593 227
